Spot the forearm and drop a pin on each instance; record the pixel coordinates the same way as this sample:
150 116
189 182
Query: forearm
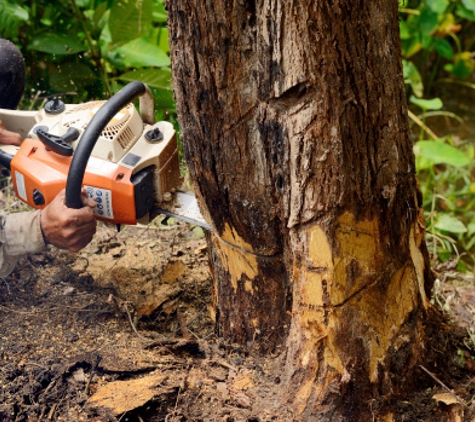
20 234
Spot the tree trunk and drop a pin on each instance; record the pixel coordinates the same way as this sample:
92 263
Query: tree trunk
294 127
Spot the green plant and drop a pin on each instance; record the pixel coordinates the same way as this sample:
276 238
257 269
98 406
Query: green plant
436 38
445 170
90 47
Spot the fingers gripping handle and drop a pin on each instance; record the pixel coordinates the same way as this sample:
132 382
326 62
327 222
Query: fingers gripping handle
90 136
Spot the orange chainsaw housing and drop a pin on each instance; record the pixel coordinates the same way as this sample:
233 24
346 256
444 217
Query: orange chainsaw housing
39 172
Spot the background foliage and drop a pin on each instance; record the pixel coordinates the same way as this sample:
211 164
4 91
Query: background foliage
438 39
88 49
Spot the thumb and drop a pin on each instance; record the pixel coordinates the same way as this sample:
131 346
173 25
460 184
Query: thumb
87 200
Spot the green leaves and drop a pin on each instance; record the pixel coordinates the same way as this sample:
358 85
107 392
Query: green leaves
12 16
142 52
449 223
413 77
437 6
469 4
86 46
433 104
438 152
70 76
428 21
159 81
54 43
129 19
443 47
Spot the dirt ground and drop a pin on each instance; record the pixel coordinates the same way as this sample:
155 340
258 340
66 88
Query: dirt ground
124 331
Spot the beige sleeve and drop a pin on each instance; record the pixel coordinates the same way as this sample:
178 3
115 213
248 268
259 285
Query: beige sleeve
20 234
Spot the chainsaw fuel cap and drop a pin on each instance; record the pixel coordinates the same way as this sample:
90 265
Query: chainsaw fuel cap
55 106
154 135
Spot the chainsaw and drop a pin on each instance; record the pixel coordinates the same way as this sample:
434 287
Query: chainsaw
123 159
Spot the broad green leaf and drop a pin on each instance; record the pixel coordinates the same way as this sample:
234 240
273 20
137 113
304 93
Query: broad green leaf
437 6
159 13
410 46
101 16
12 16
471 228
433 104
428 21
413 77
443 47
470 151
141 52
163 40
404 32
469 4
158 80
449 223
53 43
71 77
426 40
12 10
129 19
441 153
462 68
464 13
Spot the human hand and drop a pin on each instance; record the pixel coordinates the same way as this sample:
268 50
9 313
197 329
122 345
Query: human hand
7 137
68 228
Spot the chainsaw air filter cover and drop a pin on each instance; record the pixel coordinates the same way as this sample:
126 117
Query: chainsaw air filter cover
120 133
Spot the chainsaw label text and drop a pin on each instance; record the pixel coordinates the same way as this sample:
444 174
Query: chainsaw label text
20 185
103 198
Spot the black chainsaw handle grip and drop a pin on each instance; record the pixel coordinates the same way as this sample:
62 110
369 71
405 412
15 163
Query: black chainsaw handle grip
90 136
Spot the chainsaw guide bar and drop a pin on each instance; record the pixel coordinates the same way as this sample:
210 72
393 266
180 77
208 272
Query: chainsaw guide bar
186 209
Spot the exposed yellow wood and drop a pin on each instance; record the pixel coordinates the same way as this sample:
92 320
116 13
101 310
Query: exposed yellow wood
319 268
319 250
248 286
123 396
383 313
314 329
237 258
303 394
415 239
359 249
342 289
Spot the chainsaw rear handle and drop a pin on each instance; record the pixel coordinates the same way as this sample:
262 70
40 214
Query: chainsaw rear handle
95 127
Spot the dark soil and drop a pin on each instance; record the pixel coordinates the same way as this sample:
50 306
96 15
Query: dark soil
124 331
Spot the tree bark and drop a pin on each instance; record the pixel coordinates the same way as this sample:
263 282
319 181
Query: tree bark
294 127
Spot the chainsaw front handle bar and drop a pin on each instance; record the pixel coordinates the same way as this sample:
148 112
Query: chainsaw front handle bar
95 127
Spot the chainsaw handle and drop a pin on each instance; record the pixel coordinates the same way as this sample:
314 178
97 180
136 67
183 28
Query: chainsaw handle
93 130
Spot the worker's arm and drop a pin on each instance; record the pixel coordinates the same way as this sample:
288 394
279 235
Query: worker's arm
27 232
20 234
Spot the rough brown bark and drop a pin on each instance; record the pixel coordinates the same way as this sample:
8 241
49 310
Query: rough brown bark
294 126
